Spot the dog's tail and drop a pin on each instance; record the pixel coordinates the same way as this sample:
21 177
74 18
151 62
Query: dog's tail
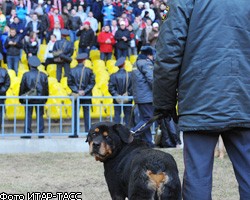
156 182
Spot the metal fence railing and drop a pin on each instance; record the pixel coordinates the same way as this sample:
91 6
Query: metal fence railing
58 116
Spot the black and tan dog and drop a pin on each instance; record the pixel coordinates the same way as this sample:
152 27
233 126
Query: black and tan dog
132 169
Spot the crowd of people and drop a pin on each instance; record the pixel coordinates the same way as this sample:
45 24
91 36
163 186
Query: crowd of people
118 27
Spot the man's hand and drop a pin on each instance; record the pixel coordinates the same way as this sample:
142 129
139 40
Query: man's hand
162 113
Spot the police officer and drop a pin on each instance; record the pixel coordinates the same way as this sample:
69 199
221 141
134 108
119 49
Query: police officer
142 81
4 86
120 84
81 81
29 80
65 57
203 60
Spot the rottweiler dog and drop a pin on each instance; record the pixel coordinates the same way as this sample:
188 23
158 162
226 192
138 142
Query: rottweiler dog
133 169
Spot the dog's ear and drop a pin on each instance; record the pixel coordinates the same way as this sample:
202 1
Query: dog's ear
124 133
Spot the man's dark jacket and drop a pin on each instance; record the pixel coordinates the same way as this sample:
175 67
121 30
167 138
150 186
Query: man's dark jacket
142 80
88 80
203 56
121 44
119 83
87 38
4 83
29 81
65 45
13 50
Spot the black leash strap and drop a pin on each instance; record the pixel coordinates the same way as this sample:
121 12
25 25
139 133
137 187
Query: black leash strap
150 121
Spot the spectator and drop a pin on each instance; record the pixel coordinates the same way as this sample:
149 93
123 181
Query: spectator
48 56
55 17
73 25
13 45
65 15
10 18
132 50
138 10
34 79
138 26
81 81
80 13
97 10
93 22
145 32
66 49
2 21
21 12
87 37
56 31
31 45
35 26
4 36
108 12
7 6
142 81
203 61
4 86
149 11
114 27
118 8
153 35
47 6
19 27
106 41
39 8
122 37
120 84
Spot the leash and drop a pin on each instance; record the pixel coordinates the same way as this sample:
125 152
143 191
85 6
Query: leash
150 121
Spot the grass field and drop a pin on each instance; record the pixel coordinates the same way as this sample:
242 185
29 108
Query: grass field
76 172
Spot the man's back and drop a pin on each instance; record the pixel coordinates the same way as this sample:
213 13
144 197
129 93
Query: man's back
206 44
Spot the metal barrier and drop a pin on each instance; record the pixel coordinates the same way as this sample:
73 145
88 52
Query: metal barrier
59 114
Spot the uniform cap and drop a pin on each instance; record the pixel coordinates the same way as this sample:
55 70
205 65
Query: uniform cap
34 61
120 61
147 50
65 32
82 56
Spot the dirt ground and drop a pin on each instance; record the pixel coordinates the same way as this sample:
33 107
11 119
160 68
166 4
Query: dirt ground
76 172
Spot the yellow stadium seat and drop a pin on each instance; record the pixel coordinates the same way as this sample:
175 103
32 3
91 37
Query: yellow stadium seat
76 45
41 52
55 109
14 110
23 66
111 66
133 58
73 63
15 86
24 57
12 73
88 64
21 72
4 65
64 83
128 66
51 70
94 55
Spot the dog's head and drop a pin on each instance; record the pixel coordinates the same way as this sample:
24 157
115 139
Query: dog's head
106 139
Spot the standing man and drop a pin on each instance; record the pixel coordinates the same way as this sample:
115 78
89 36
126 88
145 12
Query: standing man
4 86
142 82
122 37
203 61
120 84
63 59
81 81
13 45
34 79
73 25
87 38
